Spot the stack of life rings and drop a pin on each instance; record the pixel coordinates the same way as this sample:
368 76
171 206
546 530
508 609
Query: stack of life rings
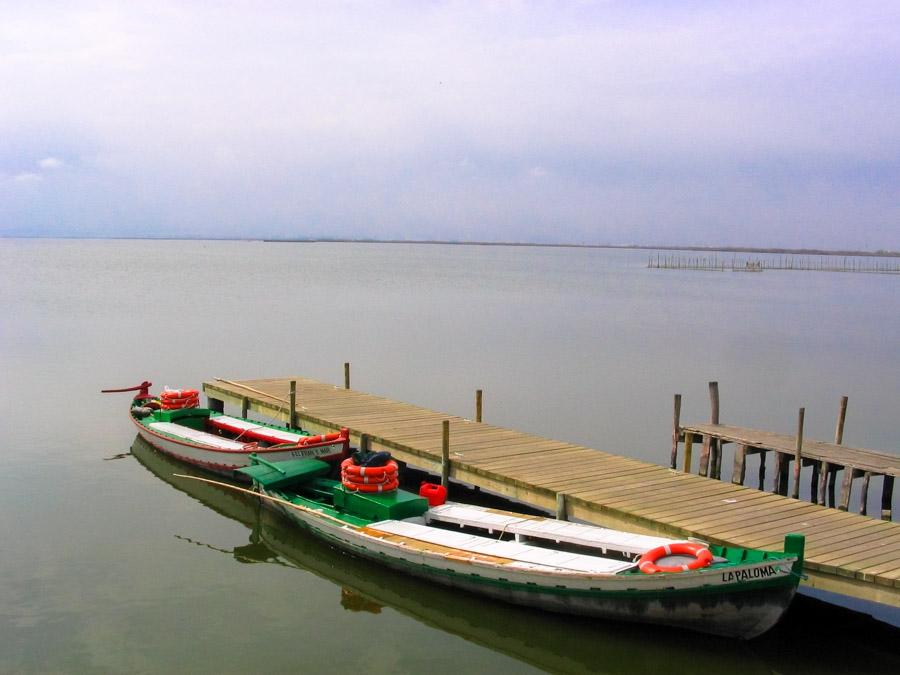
369 478
176 399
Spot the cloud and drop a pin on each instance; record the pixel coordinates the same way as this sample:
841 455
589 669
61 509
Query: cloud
27 177
51 163
701 122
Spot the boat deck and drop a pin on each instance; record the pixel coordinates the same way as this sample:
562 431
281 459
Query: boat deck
846 553
559 531
515 554
196 436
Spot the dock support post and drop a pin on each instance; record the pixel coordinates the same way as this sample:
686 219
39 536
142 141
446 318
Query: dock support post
849 472
847 487
710 444
215 404
780 479
887 494
828 472
445 455
716 447
561 506
762 469
292 403
346 374
798 454
832 480
814 482
478 405
364 443
739 472
676 431
864 494
245 406
688 451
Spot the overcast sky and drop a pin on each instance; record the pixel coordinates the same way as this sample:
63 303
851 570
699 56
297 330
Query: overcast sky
718 123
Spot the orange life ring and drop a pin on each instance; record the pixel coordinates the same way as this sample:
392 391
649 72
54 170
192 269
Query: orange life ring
352 469
181 401
179 393
380 487
702 558
179 406
367 480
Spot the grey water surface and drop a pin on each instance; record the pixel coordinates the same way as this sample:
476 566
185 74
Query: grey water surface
109 564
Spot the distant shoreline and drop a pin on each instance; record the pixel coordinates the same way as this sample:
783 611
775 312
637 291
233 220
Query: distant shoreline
637 247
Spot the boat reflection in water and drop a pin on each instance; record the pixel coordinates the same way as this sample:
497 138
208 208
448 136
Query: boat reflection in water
541 639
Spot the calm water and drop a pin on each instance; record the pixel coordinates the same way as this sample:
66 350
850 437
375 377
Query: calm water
107 565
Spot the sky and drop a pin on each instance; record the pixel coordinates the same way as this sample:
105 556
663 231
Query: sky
726 123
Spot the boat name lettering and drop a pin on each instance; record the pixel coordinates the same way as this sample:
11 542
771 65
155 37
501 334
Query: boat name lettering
312 452
747 575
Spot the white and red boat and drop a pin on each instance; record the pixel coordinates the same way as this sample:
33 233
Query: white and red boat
174 423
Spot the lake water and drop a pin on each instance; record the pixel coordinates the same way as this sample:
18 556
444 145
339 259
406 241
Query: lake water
109 566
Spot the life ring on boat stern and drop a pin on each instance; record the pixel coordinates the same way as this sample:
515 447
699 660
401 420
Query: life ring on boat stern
389 469
702 558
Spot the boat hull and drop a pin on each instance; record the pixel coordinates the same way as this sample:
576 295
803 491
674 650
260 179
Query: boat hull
708 601
224 462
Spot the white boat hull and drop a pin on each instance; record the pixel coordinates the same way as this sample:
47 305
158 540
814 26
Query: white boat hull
226 461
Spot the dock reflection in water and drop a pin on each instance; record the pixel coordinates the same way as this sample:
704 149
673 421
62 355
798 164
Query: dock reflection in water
812 633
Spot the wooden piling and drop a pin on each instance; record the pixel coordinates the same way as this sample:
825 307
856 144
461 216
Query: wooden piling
676 431
740 457
887 495
292 403
828 473
688 451
445 455
842 416
346 374
710 444
798 454
864 494
364 443
561 506
814 482
478 405
245 406
762 470
849 474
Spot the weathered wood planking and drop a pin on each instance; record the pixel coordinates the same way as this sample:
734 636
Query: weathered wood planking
825 458
848 553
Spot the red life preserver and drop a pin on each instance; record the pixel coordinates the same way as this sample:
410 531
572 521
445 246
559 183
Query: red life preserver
702 558
380 487
374 472
367 480
179 393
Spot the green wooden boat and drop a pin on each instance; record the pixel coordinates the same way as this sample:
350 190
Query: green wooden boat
539 562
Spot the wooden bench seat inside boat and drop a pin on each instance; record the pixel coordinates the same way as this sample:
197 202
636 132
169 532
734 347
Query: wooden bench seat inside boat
523 556
251 431
547 529
196 436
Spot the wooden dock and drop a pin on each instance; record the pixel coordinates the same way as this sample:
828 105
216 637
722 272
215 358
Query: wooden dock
846 553
826 459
